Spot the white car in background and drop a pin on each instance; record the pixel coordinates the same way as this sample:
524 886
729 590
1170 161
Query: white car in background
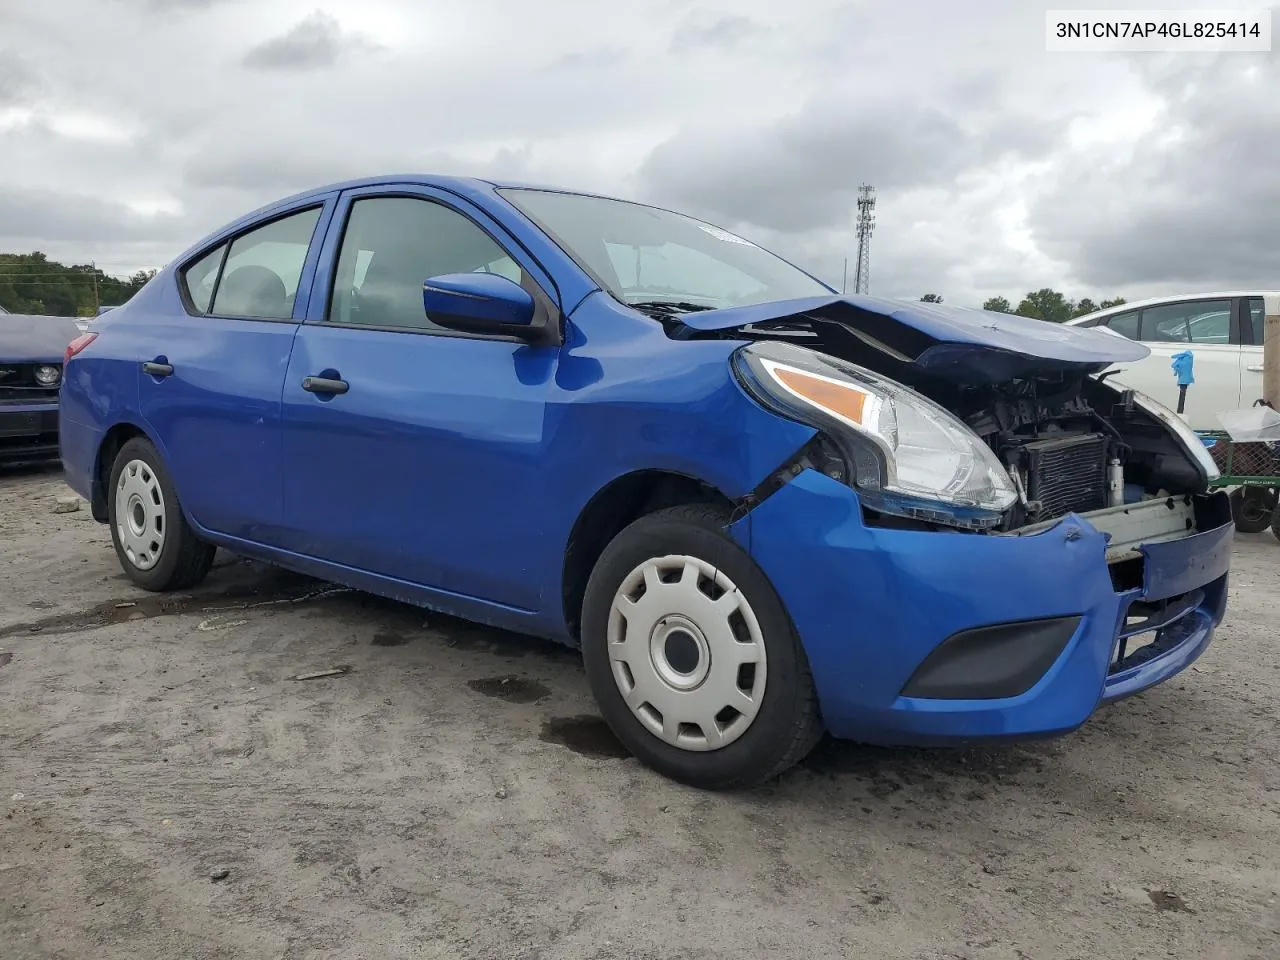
1223 331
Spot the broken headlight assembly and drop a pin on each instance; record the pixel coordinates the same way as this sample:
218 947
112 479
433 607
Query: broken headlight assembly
906 455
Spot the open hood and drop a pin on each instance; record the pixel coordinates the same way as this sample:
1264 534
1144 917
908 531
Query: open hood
950 343
30 339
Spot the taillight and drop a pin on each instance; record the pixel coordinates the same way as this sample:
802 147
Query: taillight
76 345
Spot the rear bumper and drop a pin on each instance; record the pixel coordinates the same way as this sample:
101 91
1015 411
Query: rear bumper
28 431
930 638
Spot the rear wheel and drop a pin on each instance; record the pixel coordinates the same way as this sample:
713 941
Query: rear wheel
1252 508
156 546
1275 523
692 657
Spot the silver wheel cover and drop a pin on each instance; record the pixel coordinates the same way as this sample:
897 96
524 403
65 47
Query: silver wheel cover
687 653
140 514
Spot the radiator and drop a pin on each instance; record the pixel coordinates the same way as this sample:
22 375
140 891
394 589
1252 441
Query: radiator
1067 475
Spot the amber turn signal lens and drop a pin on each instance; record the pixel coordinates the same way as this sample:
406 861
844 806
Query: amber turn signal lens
846 401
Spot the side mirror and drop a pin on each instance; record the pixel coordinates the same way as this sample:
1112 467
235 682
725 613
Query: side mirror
478 303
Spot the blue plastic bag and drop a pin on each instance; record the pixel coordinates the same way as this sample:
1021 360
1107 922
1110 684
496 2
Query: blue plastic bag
1182 368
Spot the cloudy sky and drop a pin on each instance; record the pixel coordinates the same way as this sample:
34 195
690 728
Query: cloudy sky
129 128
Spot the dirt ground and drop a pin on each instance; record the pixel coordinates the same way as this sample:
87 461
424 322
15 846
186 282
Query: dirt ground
168 790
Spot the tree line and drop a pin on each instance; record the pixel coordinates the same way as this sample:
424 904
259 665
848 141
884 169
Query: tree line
1043 304
32 283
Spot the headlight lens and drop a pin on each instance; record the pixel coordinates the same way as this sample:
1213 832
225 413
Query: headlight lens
909 455
1190 439
48 375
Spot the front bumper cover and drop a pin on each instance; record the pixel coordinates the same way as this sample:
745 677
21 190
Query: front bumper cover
28 431
875 608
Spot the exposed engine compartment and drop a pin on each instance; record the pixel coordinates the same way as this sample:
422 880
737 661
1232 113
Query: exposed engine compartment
1070 442
1071 445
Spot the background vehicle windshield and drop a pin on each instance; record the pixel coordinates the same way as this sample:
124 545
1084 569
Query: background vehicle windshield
644 255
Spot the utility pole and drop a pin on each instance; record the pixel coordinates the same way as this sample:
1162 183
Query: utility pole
97 303
1271 352
844 284
866 223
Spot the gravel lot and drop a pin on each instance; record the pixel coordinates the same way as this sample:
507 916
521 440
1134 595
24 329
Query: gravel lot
169 791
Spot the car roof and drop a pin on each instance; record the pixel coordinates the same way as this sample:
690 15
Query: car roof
1158 301
466 187
452 183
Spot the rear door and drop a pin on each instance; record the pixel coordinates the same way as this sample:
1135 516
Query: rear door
427 466
1210 330
211 370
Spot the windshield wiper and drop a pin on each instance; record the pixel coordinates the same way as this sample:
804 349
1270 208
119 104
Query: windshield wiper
670 306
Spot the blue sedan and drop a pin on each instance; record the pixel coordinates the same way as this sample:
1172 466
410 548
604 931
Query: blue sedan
761 509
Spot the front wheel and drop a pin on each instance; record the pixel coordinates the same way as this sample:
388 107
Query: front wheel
155 545
1275 523
691 656
1252 508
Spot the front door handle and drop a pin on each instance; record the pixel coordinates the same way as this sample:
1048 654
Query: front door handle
324 385
158 369
1253 369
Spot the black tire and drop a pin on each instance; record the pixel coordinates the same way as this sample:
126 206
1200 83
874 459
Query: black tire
1275 523
787 725
1252 509
183 560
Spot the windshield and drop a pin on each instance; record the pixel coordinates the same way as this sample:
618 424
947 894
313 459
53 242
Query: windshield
643 255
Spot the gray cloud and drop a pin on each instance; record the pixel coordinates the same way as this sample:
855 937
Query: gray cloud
722 32
18 80
179 6
1191 207
269 173
314 43
70 216
999 168
803 172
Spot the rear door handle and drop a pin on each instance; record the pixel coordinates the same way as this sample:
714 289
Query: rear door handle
158 369
1252 369
324 385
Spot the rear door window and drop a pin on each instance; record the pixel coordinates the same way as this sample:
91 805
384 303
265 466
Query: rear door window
260 277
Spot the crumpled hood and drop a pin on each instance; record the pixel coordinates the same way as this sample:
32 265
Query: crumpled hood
30 339
952 343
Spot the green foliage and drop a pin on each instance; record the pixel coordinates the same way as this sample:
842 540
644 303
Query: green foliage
32 283
1046 304
931 298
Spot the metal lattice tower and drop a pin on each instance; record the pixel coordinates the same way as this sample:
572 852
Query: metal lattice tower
866 223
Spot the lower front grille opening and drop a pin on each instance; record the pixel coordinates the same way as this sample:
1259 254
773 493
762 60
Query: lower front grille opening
1127 574
1142 647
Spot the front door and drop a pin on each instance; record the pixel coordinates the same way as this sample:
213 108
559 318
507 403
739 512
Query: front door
424 465
210 373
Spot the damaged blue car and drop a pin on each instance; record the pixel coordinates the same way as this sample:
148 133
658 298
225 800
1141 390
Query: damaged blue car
762 510
31 353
